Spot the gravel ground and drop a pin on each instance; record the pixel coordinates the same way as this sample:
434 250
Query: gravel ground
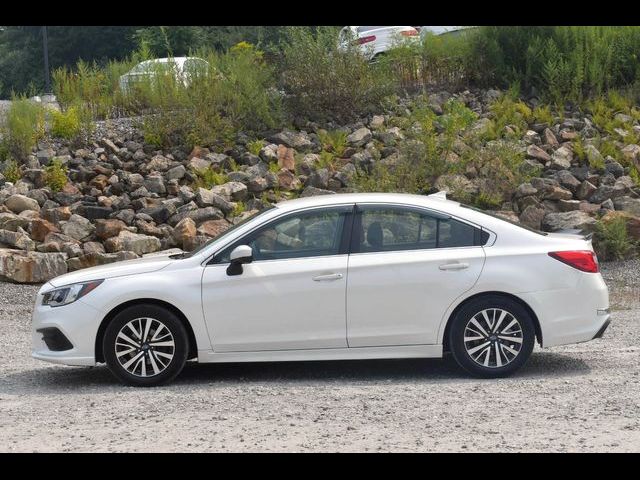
582 397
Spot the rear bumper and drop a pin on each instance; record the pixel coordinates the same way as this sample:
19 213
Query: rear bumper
572 315
602 329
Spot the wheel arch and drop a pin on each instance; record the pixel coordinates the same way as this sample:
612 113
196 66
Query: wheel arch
193 346
525 305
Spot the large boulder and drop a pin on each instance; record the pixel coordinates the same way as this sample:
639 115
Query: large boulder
134 242
568 221
561 158
98 258
18 239
18 203
78 227
11 221
31 267
109 228
359 137
532 216
297 140
628 204
184 233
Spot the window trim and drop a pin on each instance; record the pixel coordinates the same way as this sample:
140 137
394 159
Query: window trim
357 222
343 242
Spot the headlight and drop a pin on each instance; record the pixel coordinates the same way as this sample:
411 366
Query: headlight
68 294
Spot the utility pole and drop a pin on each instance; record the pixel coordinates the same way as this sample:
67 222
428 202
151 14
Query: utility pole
47 81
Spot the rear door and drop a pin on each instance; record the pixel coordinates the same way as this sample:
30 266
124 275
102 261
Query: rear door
406 267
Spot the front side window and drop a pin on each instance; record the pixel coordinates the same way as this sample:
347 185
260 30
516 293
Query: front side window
309 234
387 229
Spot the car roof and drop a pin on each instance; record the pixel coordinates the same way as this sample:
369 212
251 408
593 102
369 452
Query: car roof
437 202
341 198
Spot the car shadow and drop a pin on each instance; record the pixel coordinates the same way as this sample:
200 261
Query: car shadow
58 379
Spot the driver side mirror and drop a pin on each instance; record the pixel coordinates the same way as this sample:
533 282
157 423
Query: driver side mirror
239 255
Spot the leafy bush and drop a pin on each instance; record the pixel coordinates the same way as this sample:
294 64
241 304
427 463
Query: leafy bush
507 111
334 141
611 239
55 175
324 82
65 124
255 146
11 171
563 63
207 178
23 126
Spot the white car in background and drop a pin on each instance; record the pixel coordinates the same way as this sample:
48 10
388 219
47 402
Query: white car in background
182 68
439 31
332 277
375 41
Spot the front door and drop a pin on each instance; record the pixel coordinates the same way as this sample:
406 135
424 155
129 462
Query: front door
292 296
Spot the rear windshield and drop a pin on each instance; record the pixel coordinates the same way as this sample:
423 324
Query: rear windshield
491 214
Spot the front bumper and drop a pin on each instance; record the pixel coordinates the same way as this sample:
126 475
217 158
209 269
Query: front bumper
78 322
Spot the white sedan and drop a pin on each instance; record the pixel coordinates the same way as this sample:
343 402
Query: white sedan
183 69
346 276
376 41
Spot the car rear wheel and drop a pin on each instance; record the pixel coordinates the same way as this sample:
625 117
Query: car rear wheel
492 336
145 345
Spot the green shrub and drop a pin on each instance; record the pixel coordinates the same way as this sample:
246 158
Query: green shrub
612 241
239 209
542 114
404 176
325 82
326 160
509 112
65 124
563 63
255 146
334 141
55 175
499 166
208 178
11 171
23 126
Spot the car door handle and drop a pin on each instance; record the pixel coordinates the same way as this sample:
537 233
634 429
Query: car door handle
327 278
454 266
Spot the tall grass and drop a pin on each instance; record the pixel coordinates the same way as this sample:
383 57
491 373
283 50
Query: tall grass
236 90
23 126
326 82
563 63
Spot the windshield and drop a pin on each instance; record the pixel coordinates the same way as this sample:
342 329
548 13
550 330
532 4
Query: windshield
221 235
491 214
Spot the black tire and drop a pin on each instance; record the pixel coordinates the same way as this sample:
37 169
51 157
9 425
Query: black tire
179 350
460 349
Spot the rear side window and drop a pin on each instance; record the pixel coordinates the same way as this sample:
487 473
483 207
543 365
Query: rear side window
396 229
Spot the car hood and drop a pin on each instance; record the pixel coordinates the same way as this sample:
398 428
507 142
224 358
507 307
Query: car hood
117 269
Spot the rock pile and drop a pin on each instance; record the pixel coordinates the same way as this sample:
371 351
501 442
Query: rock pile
126 198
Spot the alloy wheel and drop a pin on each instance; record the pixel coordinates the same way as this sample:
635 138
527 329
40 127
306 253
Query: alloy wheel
144 347
493 338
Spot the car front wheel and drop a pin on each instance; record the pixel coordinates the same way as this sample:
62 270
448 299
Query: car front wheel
492 336
145 345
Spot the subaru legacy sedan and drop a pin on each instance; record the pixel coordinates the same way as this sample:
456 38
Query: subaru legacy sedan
333 277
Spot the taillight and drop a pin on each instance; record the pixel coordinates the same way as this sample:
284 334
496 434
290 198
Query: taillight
583 260
370 38
409 33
